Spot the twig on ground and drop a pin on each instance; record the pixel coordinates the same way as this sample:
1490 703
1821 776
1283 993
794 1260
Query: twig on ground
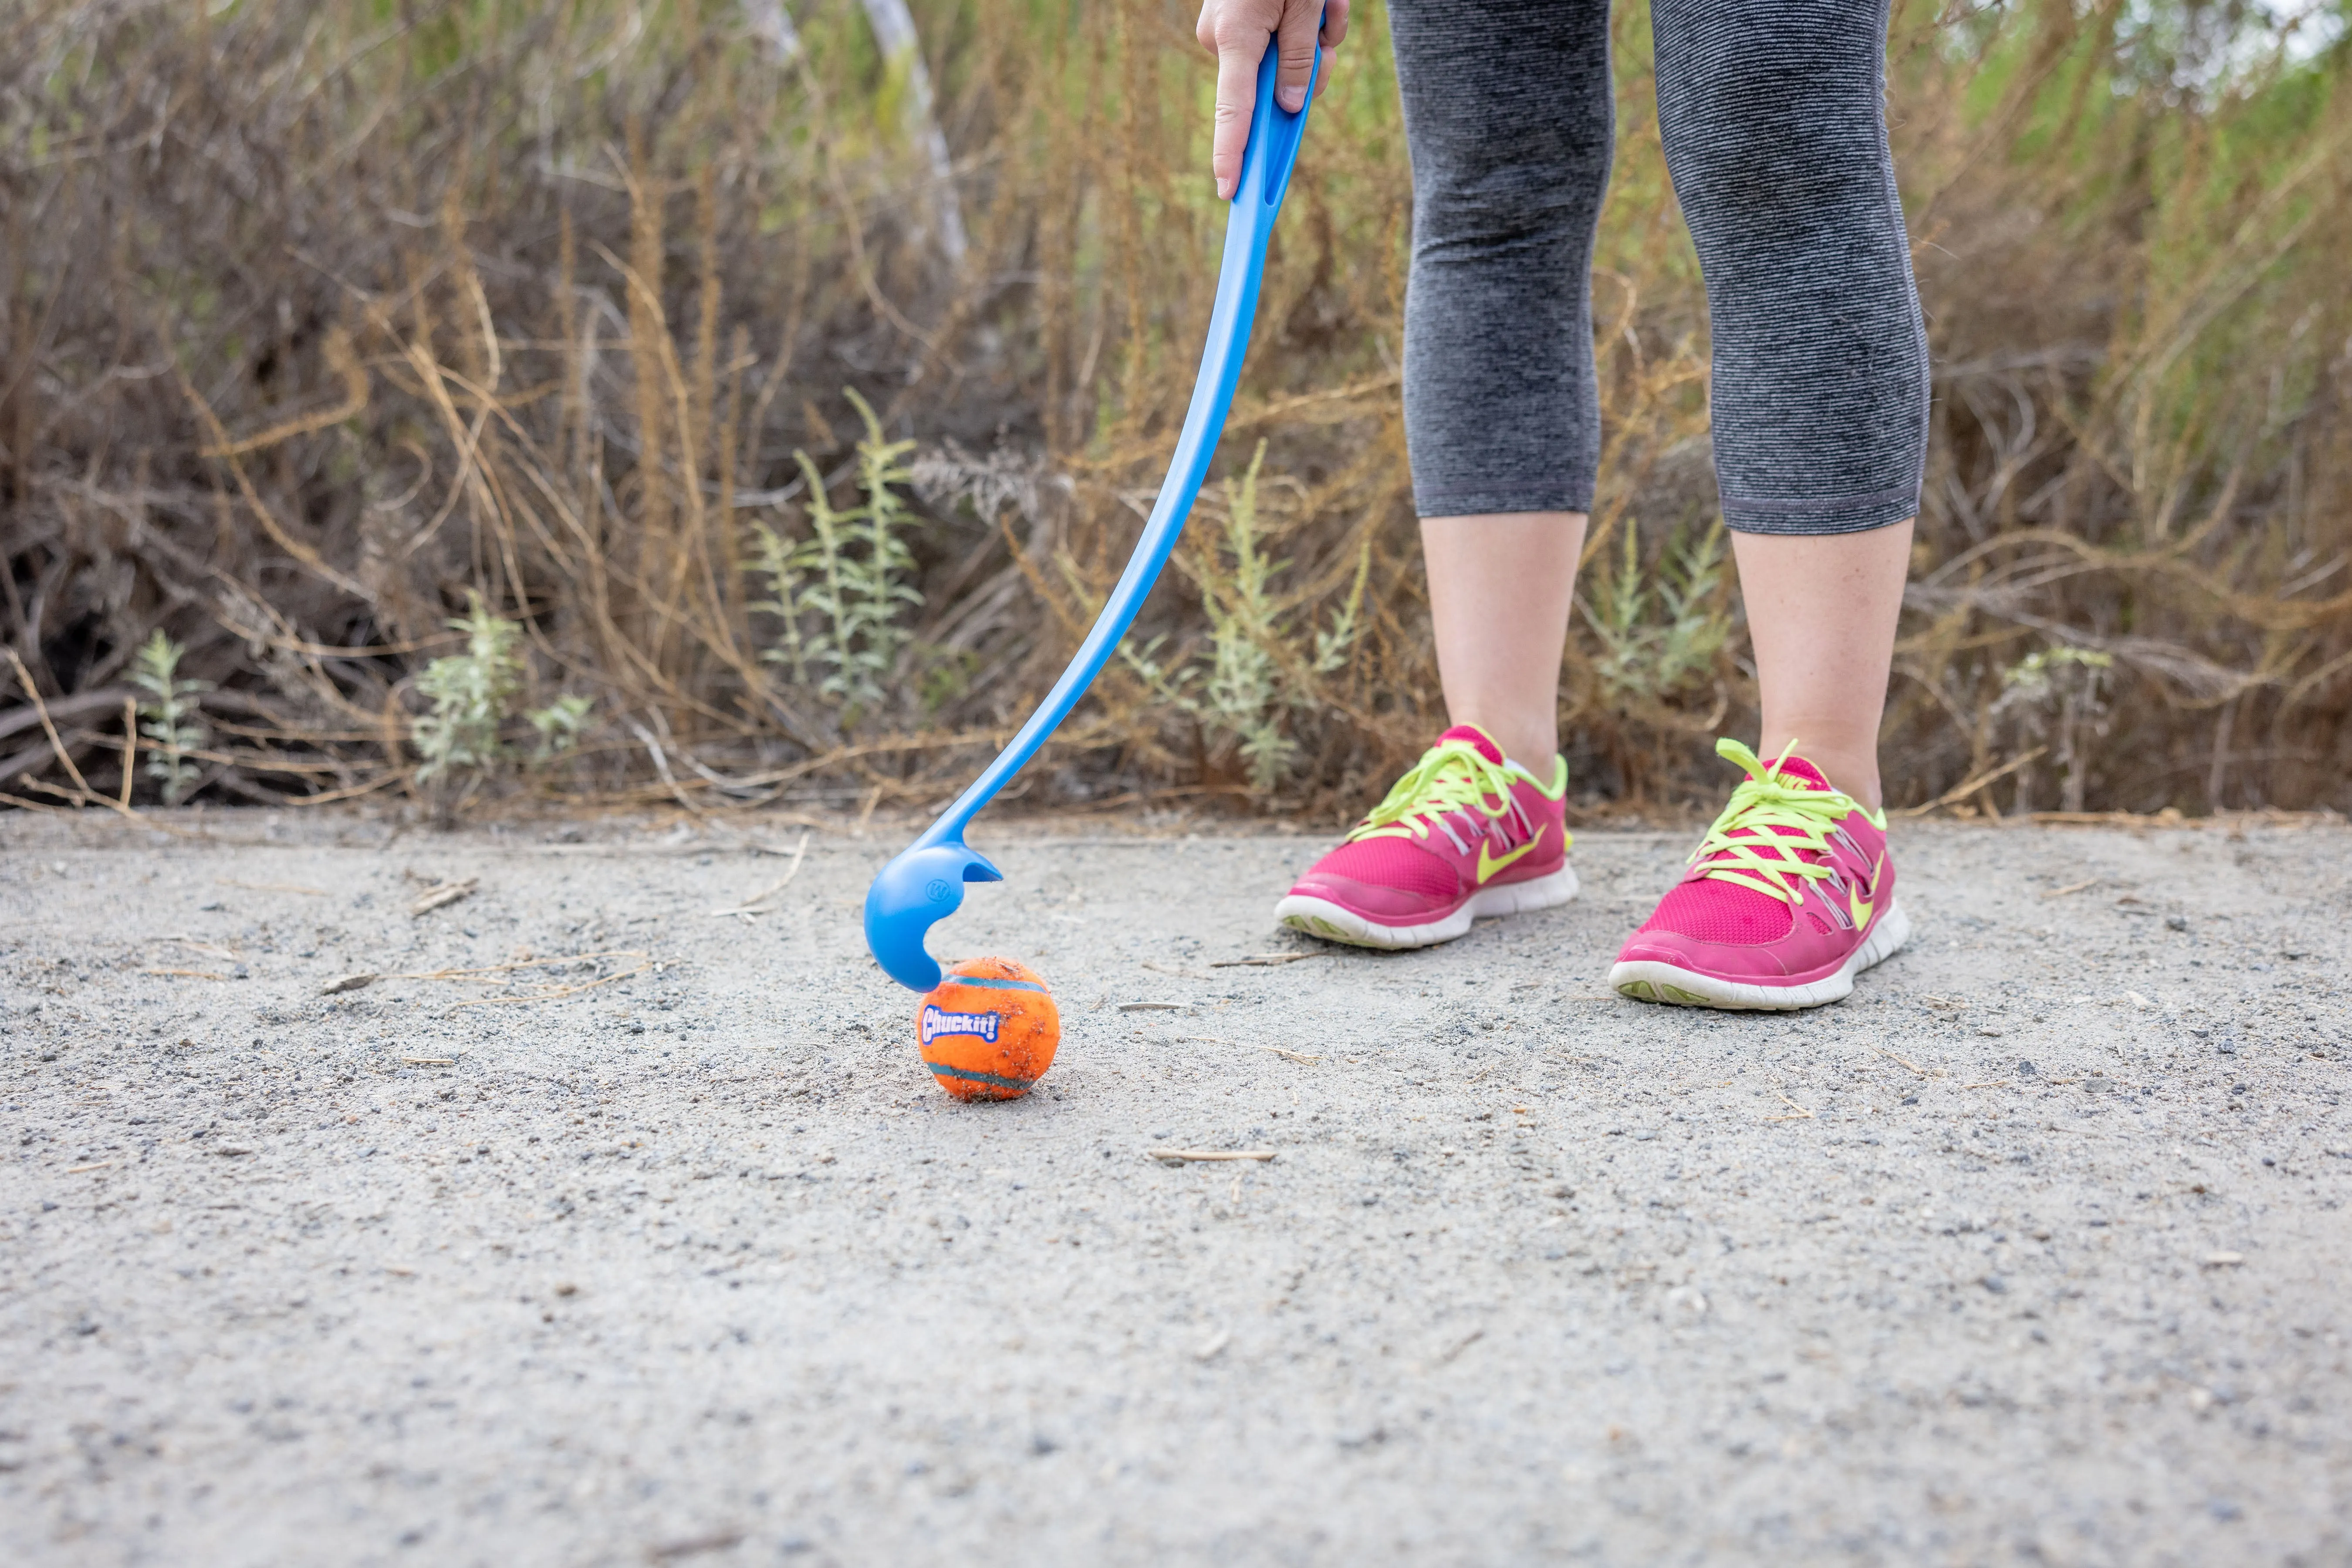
1902 1062
429 1060
2071 887
1264 960
384 780
751 906
1134 798
1992 1083
361 980
752 795
22 804
1802 1113
1962 791
441 897
1300 1057
41 712
212 948
81 794
760 847
555 963
272 886
1182 974
83 797
129 750
553 993
186 974
1197 1156
93 1166
661 766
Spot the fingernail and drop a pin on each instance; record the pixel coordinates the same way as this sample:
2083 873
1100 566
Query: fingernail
1291 97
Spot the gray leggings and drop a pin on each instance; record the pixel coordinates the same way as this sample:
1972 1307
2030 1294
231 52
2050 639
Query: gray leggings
1776 144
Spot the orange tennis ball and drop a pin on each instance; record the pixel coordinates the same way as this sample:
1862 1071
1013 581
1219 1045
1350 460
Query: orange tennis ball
988 1031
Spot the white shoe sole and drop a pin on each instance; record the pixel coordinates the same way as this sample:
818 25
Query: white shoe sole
1321 917
1650 981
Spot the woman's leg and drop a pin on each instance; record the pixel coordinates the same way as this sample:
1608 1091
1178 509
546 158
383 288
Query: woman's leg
1775 135
1508 118
1772 112
1821 614
1500 590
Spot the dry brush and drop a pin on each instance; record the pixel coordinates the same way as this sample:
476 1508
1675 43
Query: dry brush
705 401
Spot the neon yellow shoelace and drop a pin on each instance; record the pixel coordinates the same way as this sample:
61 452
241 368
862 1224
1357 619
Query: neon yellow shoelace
1761 805
1450 776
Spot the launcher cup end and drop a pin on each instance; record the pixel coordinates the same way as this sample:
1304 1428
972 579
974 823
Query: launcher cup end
917 889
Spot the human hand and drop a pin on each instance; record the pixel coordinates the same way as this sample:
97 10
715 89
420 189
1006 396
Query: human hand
1235 31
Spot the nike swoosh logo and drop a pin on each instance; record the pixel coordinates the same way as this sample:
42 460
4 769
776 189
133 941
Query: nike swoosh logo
1860 907
1488 864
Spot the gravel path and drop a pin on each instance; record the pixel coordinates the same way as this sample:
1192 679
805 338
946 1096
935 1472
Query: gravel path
2034 1251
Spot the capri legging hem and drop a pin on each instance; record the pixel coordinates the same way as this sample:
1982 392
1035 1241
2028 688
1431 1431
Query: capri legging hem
1496 503
1853 514
1841 515
1770 113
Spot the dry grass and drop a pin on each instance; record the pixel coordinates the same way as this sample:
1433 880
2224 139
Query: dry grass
321 318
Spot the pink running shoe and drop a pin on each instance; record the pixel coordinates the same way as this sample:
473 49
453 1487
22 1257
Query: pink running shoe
1789 897
1463 834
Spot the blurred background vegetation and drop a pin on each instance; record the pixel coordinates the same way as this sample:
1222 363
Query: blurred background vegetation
738 404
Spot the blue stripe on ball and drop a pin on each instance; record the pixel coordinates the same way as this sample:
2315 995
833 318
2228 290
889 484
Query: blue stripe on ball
969 1076
989 983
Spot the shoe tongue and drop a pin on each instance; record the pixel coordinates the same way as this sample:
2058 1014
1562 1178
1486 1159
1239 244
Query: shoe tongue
1799 774
1795 773
1481 739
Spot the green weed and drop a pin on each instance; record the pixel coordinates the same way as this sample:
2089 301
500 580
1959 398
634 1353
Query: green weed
474 695
560 725
2055 697
1256 675
471 693
1659 632
774 557
840 595
1333 643
173 721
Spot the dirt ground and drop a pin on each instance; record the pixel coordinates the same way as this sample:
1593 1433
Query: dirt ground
2033 1251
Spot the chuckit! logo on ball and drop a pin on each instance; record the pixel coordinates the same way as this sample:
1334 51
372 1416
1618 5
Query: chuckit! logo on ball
937 1021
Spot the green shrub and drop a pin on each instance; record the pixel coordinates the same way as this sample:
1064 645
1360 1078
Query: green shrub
840 597
474 696
173 722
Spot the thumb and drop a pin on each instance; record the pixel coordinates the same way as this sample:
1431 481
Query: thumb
1301 19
